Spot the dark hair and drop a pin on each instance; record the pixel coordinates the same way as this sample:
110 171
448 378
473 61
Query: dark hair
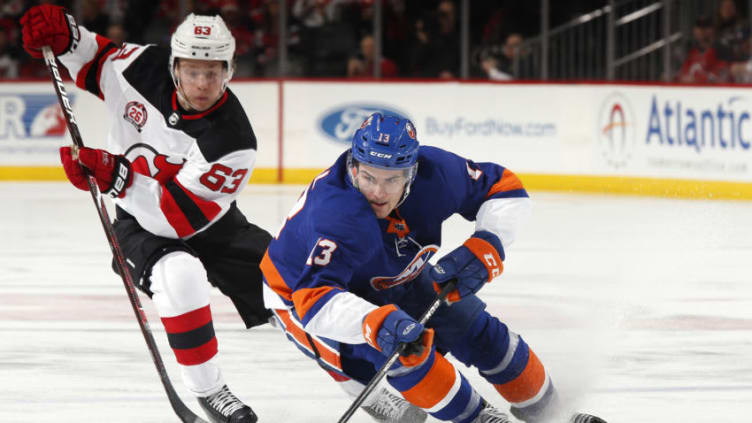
703 22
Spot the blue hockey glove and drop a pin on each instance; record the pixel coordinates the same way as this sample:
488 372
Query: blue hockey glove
477 261
387 327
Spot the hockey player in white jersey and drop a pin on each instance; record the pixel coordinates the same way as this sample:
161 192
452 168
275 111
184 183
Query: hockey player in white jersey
179 151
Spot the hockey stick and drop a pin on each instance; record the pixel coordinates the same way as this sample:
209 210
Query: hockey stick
448 287
183 412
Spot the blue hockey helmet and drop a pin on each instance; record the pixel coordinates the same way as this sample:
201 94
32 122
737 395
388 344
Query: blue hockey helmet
387 142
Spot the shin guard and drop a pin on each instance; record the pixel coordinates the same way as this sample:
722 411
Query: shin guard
437 387
505 360
181 295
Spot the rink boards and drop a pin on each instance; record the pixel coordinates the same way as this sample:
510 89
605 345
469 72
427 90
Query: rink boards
641 139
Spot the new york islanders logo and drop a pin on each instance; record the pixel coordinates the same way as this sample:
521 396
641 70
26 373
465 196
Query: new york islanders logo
417 264
135 113
410 130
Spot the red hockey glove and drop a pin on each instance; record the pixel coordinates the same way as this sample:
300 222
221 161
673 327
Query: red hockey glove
113 173
73 170
48 25
477 261
387 327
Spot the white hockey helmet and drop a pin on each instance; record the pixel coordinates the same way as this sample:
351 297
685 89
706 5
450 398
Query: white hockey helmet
203 37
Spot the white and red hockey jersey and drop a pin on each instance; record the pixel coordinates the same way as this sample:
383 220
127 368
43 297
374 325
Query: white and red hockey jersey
188 167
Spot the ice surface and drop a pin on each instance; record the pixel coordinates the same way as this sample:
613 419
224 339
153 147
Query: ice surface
640 308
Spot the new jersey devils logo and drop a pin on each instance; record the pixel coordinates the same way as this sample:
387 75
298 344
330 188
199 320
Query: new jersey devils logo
135 113
148 161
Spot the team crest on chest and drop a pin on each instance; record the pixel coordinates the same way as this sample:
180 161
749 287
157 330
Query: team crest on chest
148 161
411 271
135 113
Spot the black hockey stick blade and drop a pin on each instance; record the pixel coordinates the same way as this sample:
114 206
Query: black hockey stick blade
445 290
182 411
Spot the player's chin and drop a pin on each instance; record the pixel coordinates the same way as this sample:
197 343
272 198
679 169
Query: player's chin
381 210
201 104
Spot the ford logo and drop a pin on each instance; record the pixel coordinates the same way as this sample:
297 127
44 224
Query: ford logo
341 123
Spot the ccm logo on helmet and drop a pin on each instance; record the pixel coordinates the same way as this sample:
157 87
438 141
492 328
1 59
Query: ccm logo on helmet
381 155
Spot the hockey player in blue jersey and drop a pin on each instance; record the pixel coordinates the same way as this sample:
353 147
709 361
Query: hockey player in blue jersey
348 274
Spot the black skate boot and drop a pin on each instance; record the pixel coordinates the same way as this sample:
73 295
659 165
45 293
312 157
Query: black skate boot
556 417
224 407
490 414
585 418
390 408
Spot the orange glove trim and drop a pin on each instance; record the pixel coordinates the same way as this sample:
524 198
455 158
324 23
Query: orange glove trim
372 323
487 254
452 297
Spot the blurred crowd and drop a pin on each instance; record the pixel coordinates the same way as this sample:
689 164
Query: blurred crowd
325 38
334 38
720 50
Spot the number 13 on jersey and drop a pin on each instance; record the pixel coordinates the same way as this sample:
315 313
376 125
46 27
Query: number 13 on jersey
321 254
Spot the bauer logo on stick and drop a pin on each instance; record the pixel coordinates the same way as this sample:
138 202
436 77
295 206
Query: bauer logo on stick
50 60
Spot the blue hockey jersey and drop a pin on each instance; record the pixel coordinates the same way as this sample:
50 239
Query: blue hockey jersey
333 261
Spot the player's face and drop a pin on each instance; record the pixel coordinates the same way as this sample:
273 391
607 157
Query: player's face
201 82
382 188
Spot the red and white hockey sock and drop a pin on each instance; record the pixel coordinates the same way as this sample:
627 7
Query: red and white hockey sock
181 295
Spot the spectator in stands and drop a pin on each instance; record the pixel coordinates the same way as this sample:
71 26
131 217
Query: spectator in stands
93 17
266 38
326 39
729 32
241 28
395 25
8 52
436 48
117 34
702 64
362 65
508 62
12 9
741 71
316 13
396 31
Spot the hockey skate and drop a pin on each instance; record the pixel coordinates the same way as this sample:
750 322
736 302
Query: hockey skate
489 414
390 408
585 418
224 407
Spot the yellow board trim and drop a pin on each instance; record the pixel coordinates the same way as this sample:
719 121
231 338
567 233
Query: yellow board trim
627 185
31 173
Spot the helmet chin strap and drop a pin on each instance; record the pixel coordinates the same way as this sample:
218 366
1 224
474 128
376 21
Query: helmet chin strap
408 184
182 97
405 193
